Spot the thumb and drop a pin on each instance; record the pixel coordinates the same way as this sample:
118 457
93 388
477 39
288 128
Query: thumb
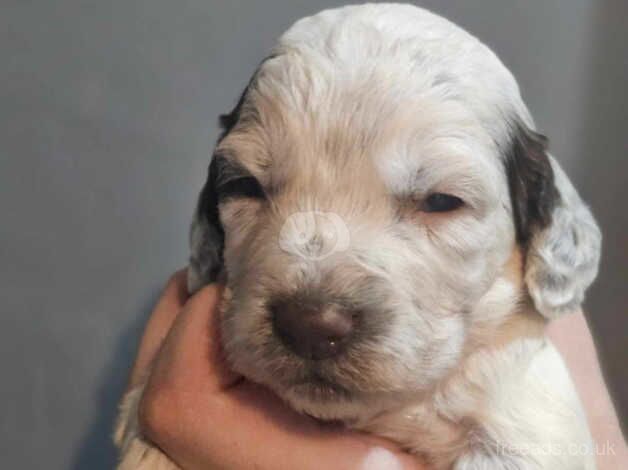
170 303
192 358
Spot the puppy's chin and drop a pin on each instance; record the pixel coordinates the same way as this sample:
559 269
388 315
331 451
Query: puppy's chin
325 401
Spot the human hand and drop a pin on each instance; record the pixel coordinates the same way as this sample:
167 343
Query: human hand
571 336
202 415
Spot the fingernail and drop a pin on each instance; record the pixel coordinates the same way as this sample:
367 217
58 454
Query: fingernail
379 458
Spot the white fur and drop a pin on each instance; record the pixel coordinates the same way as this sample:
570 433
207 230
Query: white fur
527 416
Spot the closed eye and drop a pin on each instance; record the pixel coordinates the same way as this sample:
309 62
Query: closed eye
441 202
244 186
230 180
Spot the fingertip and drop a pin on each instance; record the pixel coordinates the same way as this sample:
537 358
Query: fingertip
176 287
209 295
382 454
202 311
194 343
379 458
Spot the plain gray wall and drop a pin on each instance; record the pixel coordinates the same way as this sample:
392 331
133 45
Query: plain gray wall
108 112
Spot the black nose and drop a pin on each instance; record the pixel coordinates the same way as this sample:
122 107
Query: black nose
312 330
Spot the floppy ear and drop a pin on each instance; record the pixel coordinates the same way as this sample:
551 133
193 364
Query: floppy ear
206 232
556 229
206 235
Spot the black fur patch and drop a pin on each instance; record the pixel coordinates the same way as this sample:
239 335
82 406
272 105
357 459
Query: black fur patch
209 256
225 179
233 179
209 197
533 193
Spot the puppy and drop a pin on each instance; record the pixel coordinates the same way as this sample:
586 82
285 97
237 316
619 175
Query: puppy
393 236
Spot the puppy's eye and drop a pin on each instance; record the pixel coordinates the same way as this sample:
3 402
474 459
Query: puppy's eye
441 202
245 186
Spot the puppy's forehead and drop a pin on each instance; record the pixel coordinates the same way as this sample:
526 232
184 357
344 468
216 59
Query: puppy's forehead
405 41
390 89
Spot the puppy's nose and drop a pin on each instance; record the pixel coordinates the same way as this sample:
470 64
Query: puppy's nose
313 331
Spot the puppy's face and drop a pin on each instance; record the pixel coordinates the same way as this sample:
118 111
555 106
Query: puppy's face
395 234
363 222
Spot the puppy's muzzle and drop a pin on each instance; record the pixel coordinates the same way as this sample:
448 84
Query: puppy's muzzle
313 330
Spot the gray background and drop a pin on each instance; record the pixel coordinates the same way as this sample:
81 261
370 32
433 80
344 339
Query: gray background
108 112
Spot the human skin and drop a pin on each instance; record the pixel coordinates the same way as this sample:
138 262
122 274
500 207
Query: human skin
203 415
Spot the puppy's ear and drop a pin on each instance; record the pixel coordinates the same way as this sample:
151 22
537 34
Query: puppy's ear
206 232
206 235
556 229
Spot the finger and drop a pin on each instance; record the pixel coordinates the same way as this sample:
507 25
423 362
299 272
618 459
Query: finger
263 433
168 306
286 439
192 359
572 337
279 438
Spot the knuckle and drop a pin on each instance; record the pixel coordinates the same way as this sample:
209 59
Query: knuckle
155 412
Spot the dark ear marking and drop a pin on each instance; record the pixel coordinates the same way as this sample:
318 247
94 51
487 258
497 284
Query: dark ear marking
208 200
206 236
533 193
225 179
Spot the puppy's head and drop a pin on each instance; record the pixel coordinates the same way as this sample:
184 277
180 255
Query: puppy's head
364 201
